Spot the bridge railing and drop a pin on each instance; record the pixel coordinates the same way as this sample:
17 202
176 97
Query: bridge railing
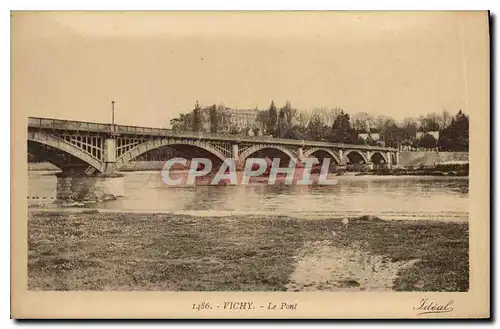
46 123
68 125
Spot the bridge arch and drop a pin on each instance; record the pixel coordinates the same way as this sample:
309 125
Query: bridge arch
363 155
332 154
38 137
253 149
380 155
154 144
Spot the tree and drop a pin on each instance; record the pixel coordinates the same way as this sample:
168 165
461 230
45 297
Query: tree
282 124
182 123
216 120
389 131
428 141
341 131
273 119
445 120
316 129
326 115
303 118
359 124
458 133
380 122
409 129
461 131
224 118
332 115
445 143
296 132
234 129
262 121
197 120
286 118
290 114
176 124
429 122
371 142
361 141
363 122
393 135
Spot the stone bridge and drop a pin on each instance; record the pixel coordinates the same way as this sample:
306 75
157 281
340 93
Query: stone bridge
99 150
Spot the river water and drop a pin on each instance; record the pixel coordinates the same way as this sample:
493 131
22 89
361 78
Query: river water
388 197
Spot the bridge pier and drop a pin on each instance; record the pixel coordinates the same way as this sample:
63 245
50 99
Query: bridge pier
89 188
109 156
235 155
234 151
341 157
80 186
300 154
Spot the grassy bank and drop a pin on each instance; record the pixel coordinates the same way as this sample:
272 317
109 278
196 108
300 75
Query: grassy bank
109 251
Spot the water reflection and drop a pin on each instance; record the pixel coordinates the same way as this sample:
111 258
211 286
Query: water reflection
389 197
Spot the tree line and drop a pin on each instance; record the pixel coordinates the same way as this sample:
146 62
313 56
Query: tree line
337 126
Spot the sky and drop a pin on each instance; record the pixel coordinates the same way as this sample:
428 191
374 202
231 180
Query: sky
155 65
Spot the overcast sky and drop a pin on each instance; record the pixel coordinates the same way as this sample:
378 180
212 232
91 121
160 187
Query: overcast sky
155 65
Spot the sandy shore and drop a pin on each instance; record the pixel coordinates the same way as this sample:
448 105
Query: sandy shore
90 250
321 266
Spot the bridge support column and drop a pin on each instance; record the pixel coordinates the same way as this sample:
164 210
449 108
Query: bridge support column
234 151
93 187
236 156
397 158
343 161
110 155
300 154
389 160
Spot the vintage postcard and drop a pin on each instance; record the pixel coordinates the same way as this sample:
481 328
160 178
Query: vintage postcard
250 164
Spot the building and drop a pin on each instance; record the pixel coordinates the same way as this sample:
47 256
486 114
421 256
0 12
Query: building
235 120
421 134
374 136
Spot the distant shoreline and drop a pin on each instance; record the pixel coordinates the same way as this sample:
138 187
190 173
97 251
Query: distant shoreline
458 170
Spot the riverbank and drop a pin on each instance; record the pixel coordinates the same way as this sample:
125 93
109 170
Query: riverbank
42 166
90 250
429 158
452 170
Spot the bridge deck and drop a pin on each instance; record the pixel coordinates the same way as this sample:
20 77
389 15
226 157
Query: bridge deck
109 129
